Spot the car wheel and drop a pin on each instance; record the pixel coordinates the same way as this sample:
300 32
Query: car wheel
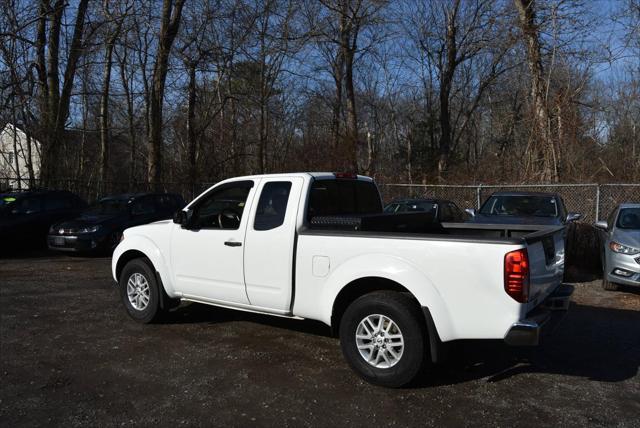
139 291
383 338
608 285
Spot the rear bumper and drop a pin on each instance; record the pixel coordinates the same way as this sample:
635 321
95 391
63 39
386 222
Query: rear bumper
527 332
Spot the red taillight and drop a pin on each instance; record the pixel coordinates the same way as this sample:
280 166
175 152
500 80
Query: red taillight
516 275
348 175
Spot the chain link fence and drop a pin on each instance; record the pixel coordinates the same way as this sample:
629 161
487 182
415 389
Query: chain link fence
92 189
593 201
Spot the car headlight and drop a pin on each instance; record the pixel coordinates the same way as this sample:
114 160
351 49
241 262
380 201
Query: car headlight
90 229
622 249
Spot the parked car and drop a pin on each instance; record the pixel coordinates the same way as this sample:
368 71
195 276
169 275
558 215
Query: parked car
100 226
441 210
395 287
621 249
524 208
25 216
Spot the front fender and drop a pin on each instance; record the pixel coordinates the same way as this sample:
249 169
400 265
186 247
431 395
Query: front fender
150 250
394 269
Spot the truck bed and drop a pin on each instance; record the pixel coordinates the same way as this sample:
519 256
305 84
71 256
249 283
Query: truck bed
422 225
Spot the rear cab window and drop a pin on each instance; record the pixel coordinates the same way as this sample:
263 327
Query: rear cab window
343 197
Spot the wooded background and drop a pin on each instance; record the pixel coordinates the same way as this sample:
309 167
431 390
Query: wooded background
414 91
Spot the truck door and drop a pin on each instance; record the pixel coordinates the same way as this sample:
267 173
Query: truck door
269 249
207 256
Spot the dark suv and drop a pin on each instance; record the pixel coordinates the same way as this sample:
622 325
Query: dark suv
26 216
100 226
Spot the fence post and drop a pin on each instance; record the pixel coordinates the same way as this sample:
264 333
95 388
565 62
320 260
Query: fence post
478 189
597 202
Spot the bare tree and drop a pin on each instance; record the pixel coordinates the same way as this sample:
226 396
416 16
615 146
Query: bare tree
55 102
339 32
114 25
170 22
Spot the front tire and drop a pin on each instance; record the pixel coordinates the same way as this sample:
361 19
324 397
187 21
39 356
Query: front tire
383 338
608 285
139 291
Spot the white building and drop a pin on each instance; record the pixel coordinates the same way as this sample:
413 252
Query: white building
15 147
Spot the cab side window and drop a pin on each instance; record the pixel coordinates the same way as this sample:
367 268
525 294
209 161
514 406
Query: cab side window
272 205
222 208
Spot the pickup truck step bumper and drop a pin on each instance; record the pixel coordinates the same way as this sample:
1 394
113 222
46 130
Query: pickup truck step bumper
527 332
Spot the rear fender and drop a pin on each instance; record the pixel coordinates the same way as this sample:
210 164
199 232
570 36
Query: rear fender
394 269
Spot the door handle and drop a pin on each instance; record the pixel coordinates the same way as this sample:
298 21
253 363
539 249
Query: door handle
233 244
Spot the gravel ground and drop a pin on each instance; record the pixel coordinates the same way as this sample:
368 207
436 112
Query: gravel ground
70 356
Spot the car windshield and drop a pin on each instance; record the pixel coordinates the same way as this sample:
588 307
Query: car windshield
107 207
538 206
629 218
411 206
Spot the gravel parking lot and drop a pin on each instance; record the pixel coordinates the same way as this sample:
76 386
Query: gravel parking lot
71 356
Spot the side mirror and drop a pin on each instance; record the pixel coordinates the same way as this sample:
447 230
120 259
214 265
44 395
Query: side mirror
180 217
471 212
573 217
602 224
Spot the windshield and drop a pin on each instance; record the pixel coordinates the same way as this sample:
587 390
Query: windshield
411 206
107 207
538 206
629 218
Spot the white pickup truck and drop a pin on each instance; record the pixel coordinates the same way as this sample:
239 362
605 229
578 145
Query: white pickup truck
396 288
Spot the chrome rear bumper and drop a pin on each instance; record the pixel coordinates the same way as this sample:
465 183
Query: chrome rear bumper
527 332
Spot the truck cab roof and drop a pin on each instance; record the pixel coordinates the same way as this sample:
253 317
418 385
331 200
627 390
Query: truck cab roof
315 175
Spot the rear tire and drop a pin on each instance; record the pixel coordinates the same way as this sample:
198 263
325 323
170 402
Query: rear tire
140 291
371 331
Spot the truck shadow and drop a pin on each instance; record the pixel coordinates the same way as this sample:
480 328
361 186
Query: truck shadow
600 344
193 313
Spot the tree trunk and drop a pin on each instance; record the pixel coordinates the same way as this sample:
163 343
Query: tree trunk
348 41
104 112
451 62
262 143
171 15
544 143
130 119
191 132
56 102
352 117
336 118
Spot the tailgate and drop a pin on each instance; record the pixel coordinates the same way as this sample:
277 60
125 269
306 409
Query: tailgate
546 262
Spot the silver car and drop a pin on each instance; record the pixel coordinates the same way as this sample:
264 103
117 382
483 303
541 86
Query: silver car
621 257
